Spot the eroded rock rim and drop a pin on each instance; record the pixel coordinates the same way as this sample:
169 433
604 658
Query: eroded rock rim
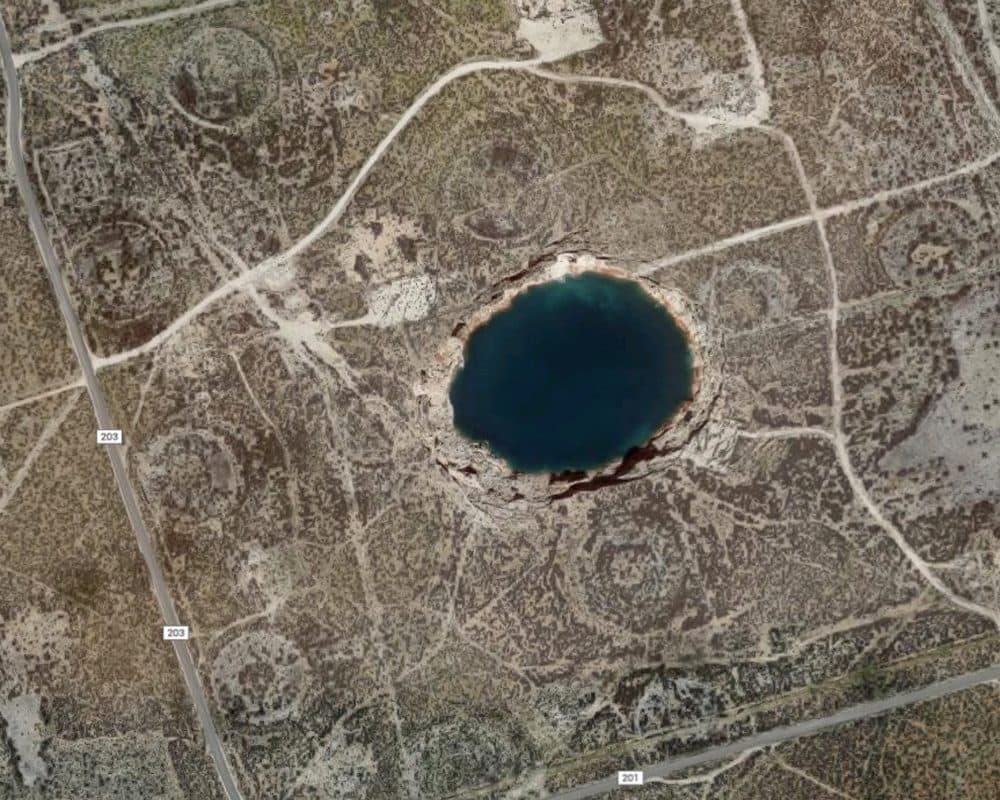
486 474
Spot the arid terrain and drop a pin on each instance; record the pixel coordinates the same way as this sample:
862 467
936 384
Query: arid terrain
273 219
936 751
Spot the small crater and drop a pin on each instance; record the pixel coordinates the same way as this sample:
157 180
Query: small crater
222 76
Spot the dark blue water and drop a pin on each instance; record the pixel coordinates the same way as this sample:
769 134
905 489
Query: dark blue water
572 375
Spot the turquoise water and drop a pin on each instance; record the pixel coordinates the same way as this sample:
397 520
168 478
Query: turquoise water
572 375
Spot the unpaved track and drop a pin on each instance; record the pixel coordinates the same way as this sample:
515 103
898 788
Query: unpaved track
657 769
661 769
16 156
120 24
250 276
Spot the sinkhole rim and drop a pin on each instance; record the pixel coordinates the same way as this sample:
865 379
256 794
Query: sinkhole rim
674 305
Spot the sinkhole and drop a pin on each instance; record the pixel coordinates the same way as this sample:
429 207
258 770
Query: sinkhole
572 374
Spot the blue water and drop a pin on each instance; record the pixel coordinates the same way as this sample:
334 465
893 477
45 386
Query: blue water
572 375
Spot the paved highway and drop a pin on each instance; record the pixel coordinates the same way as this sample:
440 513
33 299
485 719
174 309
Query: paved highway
160 590
104 420
661 769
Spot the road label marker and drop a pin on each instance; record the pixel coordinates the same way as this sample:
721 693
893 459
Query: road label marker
174 633
627 778
108 436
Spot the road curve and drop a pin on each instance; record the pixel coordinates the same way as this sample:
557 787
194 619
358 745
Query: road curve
661 769
196 691
336 211
104 420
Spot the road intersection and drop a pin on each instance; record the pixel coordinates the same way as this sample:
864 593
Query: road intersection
15 154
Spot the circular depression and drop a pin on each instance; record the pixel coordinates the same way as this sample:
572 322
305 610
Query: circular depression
572 374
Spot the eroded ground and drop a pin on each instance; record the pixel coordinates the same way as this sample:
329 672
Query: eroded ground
272 217
940 750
